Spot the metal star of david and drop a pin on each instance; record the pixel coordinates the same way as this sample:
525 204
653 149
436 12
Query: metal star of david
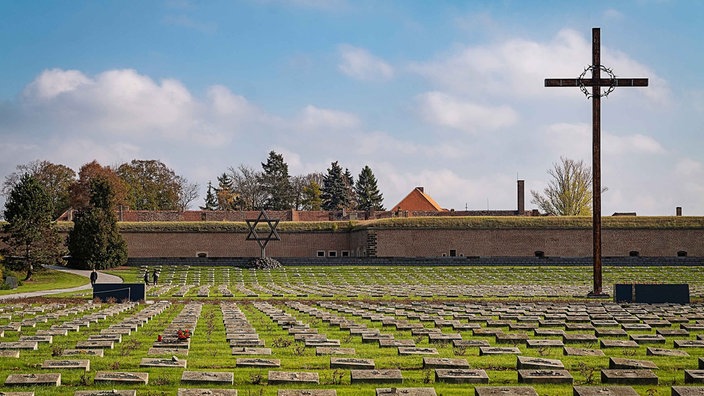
273 235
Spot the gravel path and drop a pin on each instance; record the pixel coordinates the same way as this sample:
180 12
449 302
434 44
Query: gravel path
102 278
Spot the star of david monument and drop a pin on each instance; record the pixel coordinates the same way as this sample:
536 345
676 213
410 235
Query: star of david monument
269 235
599 87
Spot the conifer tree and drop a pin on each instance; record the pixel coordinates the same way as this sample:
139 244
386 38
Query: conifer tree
335 194
276 183
95 241
368 195
211 201
30 236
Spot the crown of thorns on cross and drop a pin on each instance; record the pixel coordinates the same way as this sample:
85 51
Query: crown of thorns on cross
272 235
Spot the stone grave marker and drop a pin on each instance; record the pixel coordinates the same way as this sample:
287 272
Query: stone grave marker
665 352
499 351
621 363
687 390
53 379
544 377
444 363
208 377
167 351
535 343
10 353
258 363
321 351
111 392
648 338
32 345
461 376
526 362
376 376
173 362
694 376
306 392
66 364
689 343
618 344
628 377
351 363
122 377
291 377
604 391
405 351
470 343
405 392
250 351
206 392
95 345
505 391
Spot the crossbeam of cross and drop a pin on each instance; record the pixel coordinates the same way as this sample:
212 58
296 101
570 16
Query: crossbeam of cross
596 83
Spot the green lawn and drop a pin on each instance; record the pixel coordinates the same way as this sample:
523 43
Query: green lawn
46 279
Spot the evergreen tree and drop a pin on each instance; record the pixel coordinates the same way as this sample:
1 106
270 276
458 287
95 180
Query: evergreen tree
368 195
95 241
311 199
226 196
351 198
211 202
335 195
30 236
276 183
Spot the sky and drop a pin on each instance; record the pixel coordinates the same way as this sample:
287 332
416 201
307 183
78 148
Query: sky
448 95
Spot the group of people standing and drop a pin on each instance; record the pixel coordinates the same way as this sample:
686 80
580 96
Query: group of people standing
155 277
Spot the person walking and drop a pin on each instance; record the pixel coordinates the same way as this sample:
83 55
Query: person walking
155 276
93 277
146 277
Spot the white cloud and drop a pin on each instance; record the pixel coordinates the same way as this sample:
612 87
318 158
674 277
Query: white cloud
54 82
575 141
315 118
445 110
359 64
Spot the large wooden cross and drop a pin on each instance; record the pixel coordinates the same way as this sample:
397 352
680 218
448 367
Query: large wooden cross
596 83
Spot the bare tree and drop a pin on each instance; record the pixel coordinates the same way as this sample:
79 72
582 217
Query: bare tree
569 193
245 182
187 193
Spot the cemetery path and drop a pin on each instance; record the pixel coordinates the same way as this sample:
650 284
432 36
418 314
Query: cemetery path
102 278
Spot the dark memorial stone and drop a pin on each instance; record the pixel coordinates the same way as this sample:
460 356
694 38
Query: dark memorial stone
604 391
620 363
306 392
33 379
376 376
694 376
652 293
544 377
461 376
289 377
120 291
405 392
687 390
505 391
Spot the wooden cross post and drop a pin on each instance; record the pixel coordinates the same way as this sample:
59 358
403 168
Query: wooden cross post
596 83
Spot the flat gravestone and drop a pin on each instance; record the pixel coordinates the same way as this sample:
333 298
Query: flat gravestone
291 377
95 345
208 377
306 392
122 377
206 392
172 344
610 333
687 390
461 376
173 362
694 376
701 363
689 343
376 376
405 351
533 343
322 351
18 393
9 353
499 351
112 392
505 391
390 343
665 352
576 338
83 352
629 377
444 363
405 392
251 351
618 344
567 351
544 377
32 345
67 364
604 391
526 362
620 363
648 338
470 343
53 379
258 363
351 363
167 351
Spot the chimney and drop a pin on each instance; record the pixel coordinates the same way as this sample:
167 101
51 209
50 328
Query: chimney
678 211
521 197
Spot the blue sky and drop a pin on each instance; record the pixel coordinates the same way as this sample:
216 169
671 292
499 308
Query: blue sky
442 94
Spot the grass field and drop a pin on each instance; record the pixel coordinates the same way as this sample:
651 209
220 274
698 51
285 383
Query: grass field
451 300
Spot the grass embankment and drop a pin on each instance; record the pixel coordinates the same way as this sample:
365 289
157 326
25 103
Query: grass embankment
46 279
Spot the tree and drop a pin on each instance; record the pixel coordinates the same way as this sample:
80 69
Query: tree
368 195
151 185
276 183
245 182
95 241
335 194
55 178
349 190
211 202
187 193
569 193
80 190
311 196
225 195
30 236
